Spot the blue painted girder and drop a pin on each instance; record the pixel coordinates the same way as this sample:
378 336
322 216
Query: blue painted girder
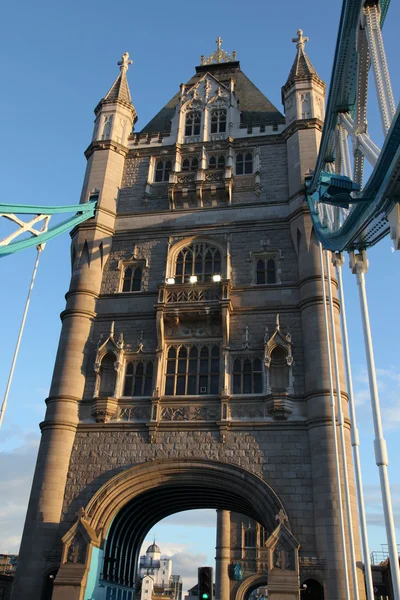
83 213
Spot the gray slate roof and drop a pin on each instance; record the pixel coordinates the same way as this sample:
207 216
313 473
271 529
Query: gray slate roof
119 90
255 108
301 67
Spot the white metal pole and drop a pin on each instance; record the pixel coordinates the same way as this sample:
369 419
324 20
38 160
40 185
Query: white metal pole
359 266
21 330
338 261
333 415
340 419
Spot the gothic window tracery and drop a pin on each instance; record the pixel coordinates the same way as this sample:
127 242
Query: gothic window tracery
247 375
244 163
192 123
162 171
200 259
139 378
216 161
132 279
218 121
192 370
265 270
190 165
250 538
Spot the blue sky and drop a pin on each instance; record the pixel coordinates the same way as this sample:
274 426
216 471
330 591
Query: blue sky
57 61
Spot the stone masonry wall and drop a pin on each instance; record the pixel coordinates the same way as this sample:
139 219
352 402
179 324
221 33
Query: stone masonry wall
280 457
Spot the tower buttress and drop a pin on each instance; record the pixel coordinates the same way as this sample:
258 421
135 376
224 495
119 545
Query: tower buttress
303 97
91 243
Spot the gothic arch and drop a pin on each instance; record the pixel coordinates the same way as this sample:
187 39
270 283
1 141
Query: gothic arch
178 246
124 509
250 584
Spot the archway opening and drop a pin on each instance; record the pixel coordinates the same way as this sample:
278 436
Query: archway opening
168 488
312 590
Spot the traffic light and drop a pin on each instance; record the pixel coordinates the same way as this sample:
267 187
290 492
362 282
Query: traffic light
205 583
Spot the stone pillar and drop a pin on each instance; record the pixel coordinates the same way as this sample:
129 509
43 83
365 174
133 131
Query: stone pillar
223 555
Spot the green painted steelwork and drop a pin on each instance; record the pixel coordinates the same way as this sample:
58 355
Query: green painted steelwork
83 213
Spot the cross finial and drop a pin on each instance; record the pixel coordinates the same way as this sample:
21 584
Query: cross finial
218 42
300 40
124 62
281 517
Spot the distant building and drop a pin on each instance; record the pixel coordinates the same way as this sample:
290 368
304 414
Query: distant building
381 574
8 564
156 578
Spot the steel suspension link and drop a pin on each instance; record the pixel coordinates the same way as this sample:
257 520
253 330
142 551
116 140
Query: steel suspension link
379 63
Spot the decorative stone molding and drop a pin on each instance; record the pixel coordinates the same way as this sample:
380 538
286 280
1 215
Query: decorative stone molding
278 340
280 407
75 560
134 413
283 562
117 349
190 413
104 409
246 411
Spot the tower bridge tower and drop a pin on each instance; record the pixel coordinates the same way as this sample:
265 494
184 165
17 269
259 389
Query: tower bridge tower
192 366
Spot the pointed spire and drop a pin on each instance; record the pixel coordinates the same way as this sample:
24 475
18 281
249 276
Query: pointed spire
120 89
302 66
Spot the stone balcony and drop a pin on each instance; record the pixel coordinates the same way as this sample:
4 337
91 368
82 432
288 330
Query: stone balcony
172 297
200 188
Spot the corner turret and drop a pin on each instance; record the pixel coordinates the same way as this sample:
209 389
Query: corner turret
303 97
303 94
115 113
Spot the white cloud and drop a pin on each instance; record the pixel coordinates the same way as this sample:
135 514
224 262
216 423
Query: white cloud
373 505
389 394
16 472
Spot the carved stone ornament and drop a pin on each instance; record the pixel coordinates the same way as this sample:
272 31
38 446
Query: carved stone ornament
190 413
77 540
135 413
283 547
247 411
283 341
104 406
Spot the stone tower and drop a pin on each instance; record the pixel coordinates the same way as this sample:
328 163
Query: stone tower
192 370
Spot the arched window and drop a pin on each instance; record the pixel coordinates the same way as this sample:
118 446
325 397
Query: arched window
108 375
186 165
244 164
216 161
247 376
192 123
200 259
250 538
138 379
265 271
218 121
132 281
195 164
192 371
279 370
162 171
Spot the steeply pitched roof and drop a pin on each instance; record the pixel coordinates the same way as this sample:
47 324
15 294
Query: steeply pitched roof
119 90
255 108
302 66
